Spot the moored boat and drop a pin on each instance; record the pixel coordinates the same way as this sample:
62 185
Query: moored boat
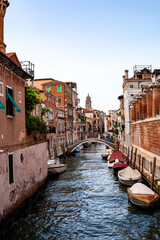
129 176
106 154
119 166
141 195
116 157
55 167
77 149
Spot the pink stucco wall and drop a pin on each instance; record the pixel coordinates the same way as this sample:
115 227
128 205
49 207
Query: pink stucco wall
29 175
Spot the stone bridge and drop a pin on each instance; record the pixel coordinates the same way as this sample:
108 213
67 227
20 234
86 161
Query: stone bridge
97 140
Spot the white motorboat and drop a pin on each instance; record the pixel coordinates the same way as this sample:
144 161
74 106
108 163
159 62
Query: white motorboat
106 154
128 176
141 195
55 167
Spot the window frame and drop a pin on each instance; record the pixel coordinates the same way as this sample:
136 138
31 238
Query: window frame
2 94
59 98
49 88
59 86
9 112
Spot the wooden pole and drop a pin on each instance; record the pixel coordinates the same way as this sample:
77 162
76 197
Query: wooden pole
128 152
142 165
153 171
135 156
139 156
131 157
117 145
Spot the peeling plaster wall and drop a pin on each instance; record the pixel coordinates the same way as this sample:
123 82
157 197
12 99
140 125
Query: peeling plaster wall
29 175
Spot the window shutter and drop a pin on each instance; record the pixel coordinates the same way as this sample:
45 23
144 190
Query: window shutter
7 107
12 105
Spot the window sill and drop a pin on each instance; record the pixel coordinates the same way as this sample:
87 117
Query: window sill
9 116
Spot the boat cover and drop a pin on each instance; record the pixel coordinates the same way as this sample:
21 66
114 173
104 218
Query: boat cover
116 155
140 188
120 165
129 174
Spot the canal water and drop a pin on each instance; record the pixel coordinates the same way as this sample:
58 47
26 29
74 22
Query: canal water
85 202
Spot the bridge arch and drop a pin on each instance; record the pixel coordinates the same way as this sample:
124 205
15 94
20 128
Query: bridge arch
97 140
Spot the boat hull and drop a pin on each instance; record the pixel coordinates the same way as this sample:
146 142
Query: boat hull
144 200
128 182
54 170
105 156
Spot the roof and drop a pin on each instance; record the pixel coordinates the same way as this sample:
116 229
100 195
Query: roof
87 111
14 58
52 82
12 66
43 79
132 78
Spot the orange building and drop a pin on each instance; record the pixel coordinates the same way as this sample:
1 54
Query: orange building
63 92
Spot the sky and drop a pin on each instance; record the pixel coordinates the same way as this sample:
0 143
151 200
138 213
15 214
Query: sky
90 42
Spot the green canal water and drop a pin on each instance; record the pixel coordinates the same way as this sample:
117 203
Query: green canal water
85 202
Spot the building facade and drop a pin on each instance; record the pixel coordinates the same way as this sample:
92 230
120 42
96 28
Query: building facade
131 87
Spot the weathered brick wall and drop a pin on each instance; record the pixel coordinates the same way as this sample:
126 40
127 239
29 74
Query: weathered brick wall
147 135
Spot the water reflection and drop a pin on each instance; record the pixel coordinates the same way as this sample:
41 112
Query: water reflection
86 202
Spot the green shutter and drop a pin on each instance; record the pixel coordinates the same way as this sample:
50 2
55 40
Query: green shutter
13 102
1 106
48 88
59 88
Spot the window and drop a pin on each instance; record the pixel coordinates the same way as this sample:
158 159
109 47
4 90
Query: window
48 88
59 89
10 163
19 97
59 100
51 115
1 89
10 103
131 86
9 106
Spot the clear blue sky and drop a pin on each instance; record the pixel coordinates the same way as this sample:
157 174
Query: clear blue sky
90 42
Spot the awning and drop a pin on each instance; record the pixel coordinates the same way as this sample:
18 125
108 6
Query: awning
18 109
1 106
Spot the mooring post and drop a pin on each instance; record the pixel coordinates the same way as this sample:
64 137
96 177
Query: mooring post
131 157
142 165
135 158
139 156
153 172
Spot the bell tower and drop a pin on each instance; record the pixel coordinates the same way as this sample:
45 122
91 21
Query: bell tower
3 5
88 102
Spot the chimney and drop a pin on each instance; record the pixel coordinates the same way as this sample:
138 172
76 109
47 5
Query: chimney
3 5
126 74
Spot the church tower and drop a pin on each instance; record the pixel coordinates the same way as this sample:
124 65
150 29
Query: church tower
88 103
3 5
